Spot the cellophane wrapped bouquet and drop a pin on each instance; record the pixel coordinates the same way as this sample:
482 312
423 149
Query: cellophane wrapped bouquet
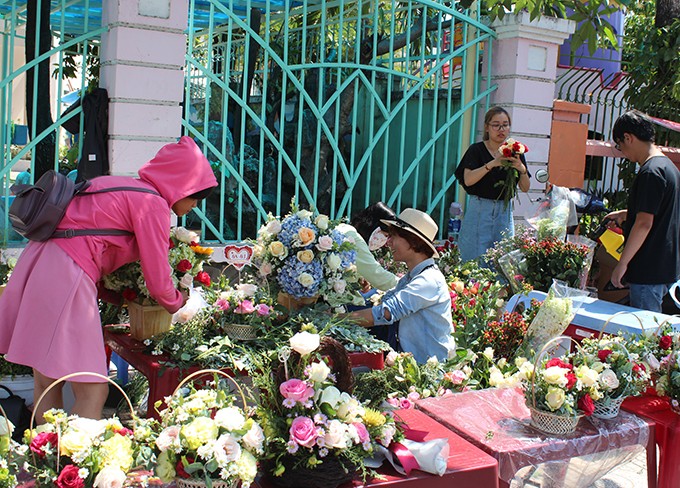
186 258
306 256
510 148
204 436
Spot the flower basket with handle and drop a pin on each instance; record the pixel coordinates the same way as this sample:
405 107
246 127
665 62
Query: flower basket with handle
206 440
147 321
669 383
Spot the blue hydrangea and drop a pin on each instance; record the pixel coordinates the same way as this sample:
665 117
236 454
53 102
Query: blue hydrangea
292 269
348 258
338 237
290 227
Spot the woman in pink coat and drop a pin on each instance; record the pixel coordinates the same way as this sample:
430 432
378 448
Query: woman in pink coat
49 317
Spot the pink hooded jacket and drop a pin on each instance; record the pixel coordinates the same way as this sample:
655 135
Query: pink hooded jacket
177 171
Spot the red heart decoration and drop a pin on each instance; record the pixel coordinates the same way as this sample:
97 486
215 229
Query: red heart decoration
238 256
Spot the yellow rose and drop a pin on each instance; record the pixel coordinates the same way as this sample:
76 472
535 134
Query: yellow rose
200 431
117 451
74 441
458 286
306 236
555 398
277 249
587 376
306 256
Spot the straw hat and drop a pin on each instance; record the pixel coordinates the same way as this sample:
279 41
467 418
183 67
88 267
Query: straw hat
417 223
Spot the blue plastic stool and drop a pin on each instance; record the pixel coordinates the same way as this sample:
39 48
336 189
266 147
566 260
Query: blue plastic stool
121 368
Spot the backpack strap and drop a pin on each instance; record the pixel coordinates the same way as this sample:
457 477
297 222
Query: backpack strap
68 233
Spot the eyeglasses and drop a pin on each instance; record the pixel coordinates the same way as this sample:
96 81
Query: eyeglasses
617 145
499 127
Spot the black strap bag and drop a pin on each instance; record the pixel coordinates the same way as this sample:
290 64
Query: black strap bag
37 209
17 412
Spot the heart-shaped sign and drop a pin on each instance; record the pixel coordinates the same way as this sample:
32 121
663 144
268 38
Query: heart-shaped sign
238 256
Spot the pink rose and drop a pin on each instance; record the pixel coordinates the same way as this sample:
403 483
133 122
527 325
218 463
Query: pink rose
325 243
222 304
265 269
263 310
405 403
303 431
41 440
296 390
246 306
393 402
362 432
456 377
68 478
414 396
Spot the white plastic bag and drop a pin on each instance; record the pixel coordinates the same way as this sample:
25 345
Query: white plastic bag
194 304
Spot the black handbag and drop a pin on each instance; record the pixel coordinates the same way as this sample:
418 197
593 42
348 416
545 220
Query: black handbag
17 412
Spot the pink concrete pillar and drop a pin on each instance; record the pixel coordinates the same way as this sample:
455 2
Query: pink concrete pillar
142 63
524 66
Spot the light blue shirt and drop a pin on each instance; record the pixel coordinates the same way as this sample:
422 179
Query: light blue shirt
422 305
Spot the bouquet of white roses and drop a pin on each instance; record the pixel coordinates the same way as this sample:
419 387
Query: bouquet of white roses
307 257
186 257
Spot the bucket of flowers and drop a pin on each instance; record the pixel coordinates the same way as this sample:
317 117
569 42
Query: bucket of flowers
243 311
621 374
186 258
318 432
205 439
77 452
307 257
557 393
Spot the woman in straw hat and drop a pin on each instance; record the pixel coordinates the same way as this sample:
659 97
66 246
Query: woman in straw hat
418 309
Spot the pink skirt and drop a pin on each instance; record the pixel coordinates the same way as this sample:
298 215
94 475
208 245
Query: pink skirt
49 317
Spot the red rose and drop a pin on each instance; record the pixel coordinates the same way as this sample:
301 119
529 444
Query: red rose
571 380
639 368
68 478
665 342
203 278
41 440
179 467
587 405
171 245
516 146
184 265
124 431
603 354
558 362
507 152
129 294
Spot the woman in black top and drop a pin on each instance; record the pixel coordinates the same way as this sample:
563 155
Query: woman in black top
487 216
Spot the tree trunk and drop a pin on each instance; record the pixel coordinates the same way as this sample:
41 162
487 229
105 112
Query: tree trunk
248 75
666 12
43 153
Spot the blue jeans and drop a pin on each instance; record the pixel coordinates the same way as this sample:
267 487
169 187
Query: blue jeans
485 223
647 297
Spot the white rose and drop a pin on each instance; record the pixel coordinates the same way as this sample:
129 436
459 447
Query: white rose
349 408
230 418
186 281
391 358
254 438
273 227
304 214
306 280
185 235
555 398
226 449
333 261
110 477
587 376
653 362
519 361
248 289
322 222
526 370
168 438
330 395
4 423
325 243
339 286
336 435
555 375
609 380
502 362
488 353
496 378
304 343
318 372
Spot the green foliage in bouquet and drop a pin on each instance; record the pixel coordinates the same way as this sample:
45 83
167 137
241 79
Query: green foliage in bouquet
553 259
473 305
6 266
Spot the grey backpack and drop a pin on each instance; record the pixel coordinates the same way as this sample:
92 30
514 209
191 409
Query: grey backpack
37 209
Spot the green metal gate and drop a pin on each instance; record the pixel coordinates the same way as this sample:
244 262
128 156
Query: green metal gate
336 104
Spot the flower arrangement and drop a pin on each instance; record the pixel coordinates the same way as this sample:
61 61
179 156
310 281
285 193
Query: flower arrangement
312 421
74 452
307 257
204 436
652 348
6 266
186 258
8 465
553 259
510 148
505 335
473 304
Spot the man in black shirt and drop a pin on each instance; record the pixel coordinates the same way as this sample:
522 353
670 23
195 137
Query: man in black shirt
650 261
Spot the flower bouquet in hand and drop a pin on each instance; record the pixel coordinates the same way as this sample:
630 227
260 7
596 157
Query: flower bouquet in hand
319 434
308 257
510 148
204 436
186 258
620 373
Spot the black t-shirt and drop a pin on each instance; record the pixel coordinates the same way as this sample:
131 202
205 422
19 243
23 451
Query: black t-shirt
475 157
656 190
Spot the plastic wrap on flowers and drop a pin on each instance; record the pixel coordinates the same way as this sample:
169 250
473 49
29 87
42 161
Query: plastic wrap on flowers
554 215
588 261
513 267
499 420
554 315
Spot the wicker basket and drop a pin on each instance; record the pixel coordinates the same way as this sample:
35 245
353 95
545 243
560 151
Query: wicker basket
294 303
332 472
240 332
551 423
608 408
192 483
147 320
